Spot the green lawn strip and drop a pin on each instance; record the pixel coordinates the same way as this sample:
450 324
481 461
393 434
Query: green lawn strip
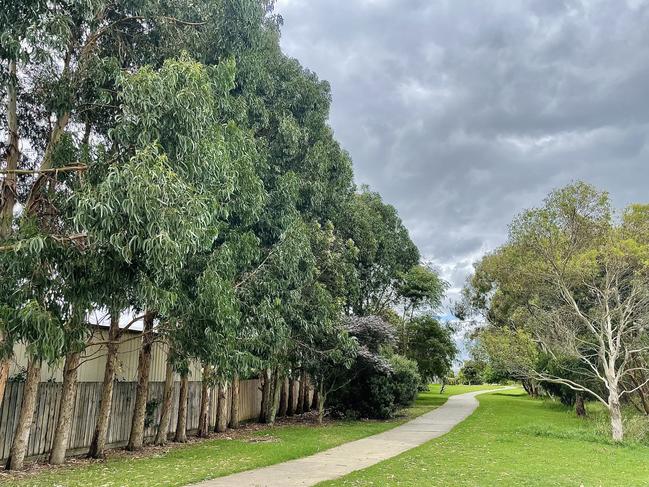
215 458
513 440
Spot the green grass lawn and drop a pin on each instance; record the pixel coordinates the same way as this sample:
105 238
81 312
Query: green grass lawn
512 440
214 458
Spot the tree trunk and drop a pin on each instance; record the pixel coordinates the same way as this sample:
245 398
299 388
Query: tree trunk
274 402
181 423
4 377
299 409
8 190
283 398
165 415
64 421
321 403
314 400
580 407
305 396
8 186
265 395
615 411
222 409
98 444
46 163
641 390
234 405
290 405
16 460
136 438
204 414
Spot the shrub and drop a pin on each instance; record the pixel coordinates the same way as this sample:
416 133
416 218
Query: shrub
405 380
379 391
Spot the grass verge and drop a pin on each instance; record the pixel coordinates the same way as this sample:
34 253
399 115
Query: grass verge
513 440
182 465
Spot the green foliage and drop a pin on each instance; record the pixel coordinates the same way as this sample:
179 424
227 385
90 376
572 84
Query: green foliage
431 346
472 373
197 179
385 252
405 380
421 286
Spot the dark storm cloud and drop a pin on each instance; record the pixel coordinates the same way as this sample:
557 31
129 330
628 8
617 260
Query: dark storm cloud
462 113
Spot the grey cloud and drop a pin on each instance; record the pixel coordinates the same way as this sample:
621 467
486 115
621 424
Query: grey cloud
464 112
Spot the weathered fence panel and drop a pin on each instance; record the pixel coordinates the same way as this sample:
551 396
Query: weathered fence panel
86 407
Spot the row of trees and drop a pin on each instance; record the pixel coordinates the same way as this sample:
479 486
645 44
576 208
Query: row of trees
566 302
167 162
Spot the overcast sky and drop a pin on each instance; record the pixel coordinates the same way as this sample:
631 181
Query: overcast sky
462 113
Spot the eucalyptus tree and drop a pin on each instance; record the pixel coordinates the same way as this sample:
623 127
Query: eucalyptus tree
419 287
62 63
431 345
575 281
169 188
322 342
386 253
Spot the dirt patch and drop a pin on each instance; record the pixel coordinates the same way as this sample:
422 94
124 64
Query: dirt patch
262 439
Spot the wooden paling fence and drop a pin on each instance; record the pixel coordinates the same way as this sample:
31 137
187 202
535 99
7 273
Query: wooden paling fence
86 406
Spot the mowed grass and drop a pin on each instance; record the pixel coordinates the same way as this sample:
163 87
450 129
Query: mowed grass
215 458
512 440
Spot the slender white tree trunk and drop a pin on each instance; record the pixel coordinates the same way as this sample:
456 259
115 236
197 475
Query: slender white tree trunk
167 398
100 435
222 408
16 460
136 438
204 414
234 407
181 424
615 411
64 421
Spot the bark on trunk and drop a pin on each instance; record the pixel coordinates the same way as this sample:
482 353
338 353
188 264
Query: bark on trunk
234 405
181 423
283 398
136 438
299 409
265 395
98 444
290 406
8 190
8 187
315 399
57 131
222 409
16 460
617 428
204 413
321 403
274 403
165 415
305 397
4 376
64 421
580 407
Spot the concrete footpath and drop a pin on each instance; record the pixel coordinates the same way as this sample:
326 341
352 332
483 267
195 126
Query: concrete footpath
356 455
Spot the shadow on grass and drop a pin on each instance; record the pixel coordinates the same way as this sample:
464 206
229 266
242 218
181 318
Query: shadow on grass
512 394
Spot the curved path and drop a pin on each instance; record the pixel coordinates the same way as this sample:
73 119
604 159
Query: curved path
356 455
